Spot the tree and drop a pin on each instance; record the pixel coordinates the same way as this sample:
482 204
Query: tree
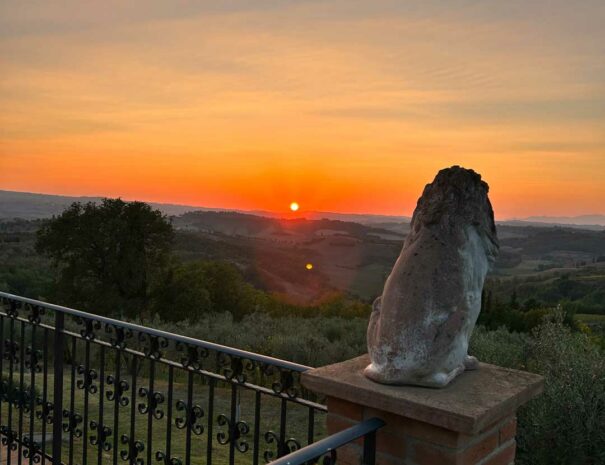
182 294
107 255
191 289
514 304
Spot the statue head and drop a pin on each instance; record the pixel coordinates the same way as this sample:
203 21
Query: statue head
457 197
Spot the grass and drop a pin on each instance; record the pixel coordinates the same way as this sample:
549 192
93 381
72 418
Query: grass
297 417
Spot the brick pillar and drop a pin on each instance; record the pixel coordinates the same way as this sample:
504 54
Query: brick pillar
470 422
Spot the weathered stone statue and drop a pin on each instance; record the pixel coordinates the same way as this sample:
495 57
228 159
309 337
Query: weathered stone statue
420 326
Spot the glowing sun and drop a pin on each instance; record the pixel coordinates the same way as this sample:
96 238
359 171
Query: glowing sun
294 206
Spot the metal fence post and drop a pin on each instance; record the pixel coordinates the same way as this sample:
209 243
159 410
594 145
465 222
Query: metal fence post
369 449
59 345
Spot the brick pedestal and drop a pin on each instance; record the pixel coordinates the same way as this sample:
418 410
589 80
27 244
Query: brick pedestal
470 422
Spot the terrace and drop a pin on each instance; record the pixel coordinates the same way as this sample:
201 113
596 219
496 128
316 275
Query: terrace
79 388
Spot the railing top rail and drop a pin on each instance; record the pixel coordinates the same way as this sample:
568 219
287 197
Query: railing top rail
326 445
157 332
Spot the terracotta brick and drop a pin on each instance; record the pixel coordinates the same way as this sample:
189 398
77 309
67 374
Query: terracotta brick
508 431
481 449
434 434
349 455
336 423
505 456
406 427
428 454
386 459
345 409
390 444
497 423
392 421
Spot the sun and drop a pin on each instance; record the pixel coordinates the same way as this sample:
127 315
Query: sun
309 266
294 206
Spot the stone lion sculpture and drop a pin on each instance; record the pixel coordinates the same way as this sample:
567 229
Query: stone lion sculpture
420 327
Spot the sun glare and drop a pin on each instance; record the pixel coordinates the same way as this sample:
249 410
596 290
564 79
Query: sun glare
294 206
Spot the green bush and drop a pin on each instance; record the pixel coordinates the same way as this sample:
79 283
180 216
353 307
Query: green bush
500 347
312 341
566 424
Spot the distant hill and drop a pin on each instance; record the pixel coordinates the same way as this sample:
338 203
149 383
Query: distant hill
584 221
279 229
544 224
581 220
350 217
31 206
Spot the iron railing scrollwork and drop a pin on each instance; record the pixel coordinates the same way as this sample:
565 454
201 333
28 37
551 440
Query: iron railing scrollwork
102 435
81 388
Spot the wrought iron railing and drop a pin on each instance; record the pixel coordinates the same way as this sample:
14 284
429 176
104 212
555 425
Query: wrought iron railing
79 388
327 447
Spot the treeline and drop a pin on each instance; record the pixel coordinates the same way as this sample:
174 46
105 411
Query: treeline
583 290
520 317
191 290
116 259
123 259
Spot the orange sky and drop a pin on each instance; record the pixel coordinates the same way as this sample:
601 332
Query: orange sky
344 105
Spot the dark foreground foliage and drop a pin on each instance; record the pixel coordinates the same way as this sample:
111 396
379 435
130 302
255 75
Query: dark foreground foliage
562 426
566 424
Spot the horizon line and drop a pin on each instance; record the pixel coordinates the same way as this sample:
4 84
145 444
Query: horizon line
279 212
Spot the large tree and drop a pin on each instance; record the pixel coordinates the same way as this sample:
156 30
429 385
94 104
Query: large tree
107 255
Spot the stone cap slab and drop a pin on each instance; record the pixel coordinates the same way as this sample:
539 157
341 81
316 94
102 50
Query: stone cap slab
473 401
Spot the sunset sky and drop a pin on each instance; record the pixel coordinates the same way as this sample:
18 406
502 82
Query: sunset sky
348 106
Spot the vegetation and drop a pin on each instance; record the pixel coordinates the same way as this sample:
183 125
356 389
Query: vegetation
562 426
23 270
542 311
565 424
108 255
582 290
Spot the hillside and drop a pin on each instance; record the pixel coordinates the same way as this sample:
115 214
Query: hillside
27 205
274 253
30 206
356 258
346 256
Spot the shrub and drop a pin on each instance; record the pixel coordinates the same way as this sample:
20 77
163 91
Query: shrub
562 426
312 341
565 424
